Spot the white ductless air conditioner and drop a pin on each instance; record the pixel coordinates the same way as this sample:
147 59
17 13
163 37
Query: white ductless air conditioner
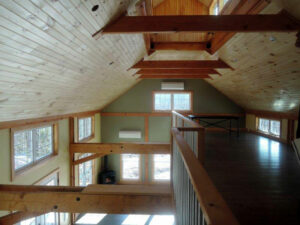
172 86
130 134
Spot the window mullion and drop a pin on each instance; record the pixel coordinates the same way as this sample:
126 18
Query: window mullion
33 144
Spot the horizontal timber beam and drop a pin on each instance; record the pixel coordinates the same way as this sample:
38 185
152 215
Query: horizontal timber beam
162 114
188 46
115 199
176 71
175 77
281 22
120 148
180 64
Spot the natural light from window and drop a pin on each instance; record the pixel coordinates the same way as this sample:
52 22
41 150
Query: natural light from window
271 127
130 166
85 127
91 218
85 171
162 220
161 163
167 101
136 220
32 145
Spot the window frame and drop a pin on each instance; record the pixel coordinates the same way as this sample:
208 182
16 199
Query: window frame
93 170
86 139
159 181
172 100
131 181
269 130
15 173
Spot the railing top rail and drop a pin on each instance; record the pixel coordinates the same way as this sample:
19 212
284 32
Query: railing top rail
191 122
213 205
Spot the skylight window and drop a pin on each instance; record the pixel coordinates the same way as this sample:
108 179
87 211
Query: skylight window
162 220
91 218
136 220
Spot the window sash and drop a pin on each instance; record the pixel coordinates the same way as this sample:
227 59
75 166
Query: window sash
127 165
174 95
268 126
85 128
33 142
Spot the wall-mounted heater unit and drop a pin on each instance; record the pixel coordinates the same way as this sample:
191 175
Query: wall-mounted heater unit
130 134
172 86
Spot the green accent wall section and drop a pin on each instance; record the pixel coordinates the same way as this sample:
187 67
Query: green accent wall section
206 99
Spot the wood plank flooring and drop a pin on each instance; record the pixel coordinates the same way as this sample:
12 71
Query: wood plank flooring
258 177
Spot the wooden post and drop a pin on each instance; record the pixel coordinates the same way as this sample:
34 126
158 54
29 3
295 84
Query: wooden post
71 161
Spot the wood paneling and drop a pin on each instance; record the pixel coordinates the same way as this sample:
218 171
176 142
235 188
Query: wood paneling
47 54
180 7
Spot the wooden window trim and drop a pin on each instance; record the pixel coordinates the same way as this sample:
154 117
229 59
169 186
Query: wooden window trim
50 174
173 92
86 139
35 164
129 181
93 170
269 133
153 181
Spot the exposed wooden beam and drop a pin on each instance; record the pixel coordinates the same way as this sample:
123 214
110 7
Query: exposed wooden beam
176 71
88 158
116 199
281 22
181 64
175 77
120 148
236 7
188 46
16 217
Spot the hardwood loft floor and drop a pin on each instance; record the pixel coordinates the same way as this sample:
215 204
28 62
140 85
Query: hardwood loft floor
258 177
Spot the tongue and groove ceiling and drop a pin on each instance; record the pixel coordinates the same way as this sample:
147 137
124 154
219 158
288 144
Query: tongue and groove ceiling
51 65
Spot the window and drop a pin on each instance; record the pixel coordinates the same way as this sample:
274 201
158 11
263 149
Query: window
168 101
51 218
86 171
85 128
271 127
216 9
130 167
161 167
29 146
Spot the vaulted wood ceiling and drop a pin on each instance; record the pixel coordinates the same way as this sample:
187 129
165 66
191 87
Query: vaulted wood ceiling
51 65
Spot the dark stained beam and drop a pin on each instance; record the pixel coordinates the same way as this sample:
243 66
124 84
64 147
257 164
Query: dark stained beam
181 64
177 71
187 46
281 22
175 77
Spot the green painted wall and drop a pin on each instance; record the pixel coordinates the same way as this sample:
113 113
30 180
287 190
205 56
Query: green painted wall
206 99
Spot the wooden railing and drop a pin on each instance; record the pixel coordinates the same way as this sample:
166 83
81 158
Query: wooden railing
197 200
193 133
